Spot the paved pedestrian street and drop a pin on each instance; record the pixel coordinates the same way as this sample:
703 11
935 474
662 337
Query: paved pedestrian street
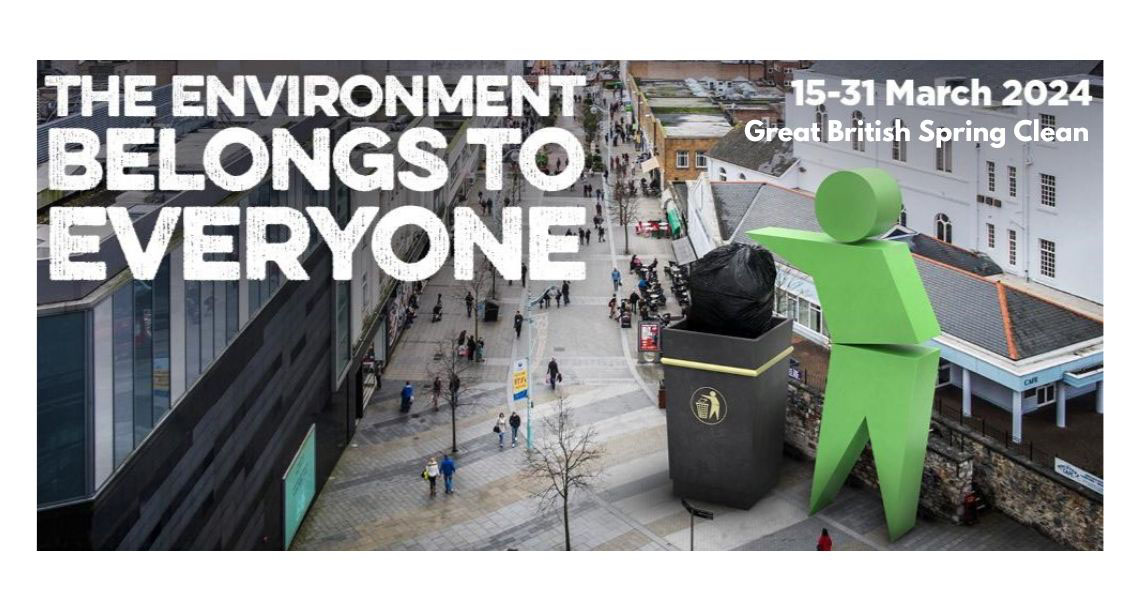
376 499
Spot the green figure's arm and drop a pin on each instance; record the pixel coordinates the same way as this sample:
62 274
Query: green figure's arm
870 290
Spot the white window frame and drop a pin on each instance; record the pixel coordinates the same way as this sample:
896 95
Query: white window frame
991 176
821 121
898 145
1048 263
944 157
682 159
1012 181
858 144
991 235
1013 247
702 160
1048 190
943 228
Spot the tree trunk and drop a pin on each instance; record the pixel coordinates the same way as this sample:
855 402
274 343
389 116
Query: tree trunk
625 230
566 518
454 443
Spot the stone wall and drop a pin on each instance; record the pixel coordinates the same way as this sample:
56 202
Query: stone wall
1030 494
958 459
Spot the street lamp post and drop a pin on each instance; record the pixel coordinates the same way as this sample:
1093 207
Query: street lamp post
694 513
529 355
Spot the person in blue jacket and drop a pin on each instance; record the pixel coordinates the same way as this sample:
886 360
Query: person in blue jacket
406 397
447 467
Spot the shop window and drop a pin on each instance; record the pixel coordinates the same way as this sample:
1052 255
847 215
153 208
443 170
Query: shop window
61 407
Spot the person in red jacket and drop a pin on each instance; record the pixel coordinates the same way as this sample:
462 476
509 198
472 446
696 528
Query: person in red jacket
824 542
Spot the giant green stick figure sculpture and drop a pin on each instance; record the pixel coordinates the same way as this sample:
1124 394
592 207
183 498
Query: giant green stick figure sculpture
880 382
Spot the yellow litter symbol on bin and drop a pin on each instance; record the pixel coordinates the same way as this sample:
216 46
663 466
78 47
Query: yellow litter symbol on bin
709 406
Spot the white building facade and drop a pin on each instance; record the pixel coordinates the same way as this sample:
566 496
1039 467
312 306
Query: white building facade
1036 208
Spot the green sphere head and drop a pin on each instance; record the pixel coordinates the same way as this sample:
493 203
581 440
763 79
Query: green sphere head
854 205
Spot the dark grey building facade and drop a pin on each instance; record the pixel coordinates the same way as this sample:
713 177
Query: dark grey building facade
169 410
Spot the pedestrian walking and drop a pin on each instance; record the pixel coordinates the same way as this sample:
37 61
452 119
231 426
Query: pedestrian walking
613 305
566 292
634 299
515 421
546 299
501 429
406 396
431 472
581 236
471 348
553 373
588 237
615 275
524 274
518 324
558 298
436 392
447 467
601 234
453 387
470 301
824 542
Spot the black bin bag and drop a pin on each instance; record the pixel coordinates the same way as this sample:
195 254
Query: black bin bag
732 290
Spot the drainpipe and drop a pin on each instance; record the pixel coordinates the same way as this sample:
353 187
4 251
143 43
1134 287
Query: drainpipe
1027 155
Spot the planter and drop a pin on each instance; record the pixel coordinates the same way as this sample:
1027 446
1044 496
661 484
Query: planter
725 420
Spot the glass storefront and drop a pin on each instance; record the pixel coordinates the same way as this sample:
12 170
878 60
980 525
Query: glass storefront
122 374
140 359
61 407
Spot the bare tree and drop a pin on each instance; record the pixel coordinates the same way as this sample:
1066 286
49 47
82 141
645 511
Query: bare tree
566 459
623 207
449 367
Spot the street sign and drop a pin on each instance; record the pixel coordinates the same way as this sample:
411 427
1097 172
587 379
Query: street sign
521 384
649 336
1079 475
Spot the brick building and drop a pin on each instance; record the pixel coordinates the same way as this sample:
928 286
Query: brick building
678 124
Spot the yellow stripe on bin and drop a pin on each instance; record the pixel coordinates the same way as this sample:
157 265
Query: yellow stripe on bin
703 366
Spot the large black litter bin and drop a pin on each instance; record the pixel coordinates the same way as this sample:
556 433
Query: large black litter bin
725 415
490 311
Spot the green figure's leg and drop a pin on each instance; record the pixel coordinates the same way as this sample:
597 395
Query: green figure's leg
842 437
892 388
899 428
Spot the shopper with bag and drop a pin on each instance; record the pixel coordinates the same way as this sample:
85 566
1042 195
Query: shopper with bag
431 471
501 429
553 374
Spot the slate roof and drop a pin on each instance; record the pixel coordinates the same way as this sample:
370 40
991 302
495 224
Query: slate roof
772 206
732 200
988 314
773 158
992 73
1039 326
978 263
